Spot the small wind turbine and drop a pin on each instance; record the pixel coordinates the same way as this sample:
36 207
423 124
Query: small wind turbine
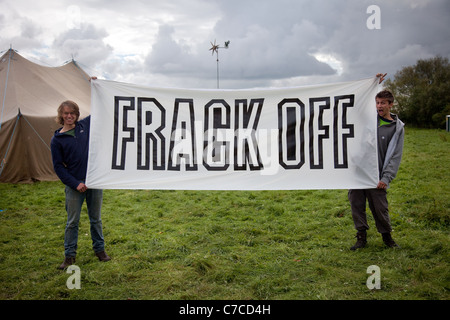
215 48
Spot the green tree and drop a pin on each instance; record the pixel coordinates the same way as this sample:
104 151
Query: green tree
422 92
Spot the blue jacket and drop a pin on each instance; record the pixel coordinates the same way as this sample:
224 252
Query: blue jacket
70 154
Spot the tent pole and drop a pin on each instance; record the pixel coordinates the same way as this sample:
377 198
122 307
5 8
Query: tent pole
6 86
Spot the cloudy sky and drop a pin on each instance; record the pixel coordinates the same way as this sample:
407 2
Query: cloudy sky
273 43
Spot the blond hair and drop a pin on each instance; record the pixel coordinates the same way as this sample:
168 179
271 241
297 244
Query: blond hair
70 104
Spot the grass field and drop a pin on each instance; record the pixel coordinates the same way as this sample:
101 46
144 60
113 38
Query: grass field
289 245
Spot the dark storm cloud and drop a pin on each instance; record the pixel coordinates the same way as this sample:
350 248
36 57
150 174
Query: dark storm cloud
273 43
280 39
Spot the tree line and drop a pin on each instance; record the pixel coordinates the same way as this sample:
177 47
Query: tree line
422 93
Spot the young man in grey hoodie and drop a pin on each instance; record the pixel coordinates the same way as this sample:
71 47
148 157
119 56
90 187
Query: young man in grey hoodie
390 148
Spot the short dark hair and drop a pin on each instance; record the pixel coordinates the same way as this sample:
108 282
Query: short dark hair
385 94
70 104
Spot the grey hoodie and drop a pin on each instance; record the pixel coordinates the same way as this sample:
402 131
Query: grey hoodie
392 151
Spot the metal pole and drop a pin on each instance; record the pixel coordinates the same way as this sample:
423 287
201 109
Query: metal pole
217 69
215 48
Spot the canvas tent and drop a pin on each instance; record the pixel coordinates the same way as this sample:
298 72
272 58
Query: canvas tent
30 93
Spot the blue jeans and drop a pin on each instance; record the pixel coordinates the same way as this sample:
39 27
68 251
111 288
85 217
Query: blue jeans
74 202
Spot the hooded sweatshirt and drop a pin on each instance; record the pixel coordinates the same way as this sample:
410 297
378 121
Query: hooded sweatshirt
70 153
390 148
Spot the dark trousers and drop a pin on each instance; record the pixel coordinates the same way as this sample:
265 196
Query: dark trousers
378 204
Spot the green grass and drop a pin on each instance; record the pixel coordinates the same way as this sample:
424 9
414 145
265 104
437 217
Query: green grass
258 245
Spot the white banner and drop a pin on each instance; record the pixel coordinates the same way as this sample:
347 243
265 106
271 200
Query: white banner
313 137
